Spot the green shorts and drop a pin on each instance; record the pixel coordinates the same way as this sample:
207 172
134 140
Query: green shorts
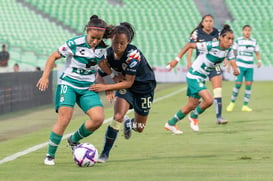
194 87
67 96
245 72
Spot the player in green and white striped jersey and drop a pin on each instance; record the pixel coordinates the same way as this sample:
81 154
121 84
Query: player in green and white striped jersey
245 47
214 53
83 54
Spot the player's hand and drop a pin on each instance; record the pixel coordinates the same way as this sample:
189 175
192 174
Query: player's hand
42 84
259 64
172 64
110 95
189 65
236 72
98 87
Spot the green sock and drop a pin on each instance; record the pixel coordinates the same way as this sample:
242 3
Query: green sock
196 112
80 134
235 92
178 116
54 141
247 94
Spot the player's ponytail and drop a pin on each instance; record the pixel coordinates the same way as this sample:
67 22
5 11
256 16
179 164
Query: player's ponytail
125 28
225 30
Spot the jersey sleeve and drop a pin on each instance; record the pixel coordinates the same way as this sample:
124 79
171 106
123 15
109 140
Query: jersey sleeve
67 48
257 47
133 60
193 37
230 55
203 46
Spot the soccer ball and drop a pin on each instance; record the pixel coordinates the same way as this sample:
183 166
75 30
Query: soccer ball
85 155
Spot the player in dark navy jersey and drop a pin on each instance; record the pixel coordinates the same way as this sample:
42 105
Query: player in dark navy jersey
206 32
135 86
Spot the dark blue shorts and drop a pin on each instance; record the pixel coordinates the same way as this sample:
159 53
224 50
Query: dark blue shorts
141 103
216 71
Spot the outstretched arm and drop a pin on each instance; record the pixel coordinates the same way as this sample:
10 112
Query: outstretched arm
174 62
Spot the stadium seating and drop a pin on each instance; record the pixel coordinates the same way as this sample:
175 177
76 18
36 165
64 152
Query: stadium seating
258 14
162 27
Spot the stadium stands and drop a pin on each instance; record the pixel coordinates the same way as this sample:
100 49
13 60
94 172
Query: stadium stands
162 27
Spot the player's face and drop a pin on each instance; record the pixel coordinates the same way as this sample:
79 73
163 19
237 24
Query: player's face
226 41
208 23
119 43
247 32
94 37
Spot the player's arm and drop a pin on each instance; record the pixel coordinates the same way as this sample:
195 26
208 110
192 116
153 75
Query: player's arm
189 55
43 82
174 62
258 55
234 67
125 84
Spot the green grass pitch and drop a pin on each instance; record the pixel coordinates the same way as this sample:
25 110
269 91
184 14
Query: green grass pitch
240 150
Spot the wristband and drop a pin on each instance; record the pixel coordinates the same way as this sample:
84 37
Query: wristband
260 61
112 75
177 59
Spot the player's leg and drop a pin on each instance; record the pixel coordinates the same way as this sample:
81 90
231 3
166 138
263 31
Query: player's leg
181 113
216 81
142 104
248 86
207 101
65 100
121 107
236 89
90 103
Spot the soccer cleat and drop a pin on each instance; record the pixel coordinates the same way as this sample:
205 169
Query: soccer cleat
72 144
102 159
230 107
194 124
49 160
173 129
246 109
221 121
127 130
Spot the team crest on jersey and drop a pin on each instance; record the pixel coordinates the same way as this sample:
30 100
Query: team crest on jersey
122 91
133 54
124 66
214 39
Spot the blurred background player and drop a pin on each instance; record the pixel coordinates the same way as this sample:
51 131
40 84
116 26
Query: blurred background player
244 48
135 90
205 31
83 54
215 53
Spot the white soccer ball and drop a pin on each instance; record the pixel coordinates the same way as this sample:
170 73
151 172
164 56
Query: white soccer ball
85 155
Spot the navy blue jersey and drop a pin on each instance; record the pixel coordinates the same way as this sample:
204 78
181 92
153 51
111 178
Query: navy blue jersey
200 36
134 63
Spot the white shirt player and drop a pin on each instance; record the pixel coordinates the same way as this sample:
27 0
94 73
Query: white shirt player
81 62
245 49
211 55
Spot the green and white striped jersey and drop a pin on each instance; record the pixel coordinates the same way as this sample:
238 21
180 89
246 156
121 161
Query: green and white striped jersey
211 55
81 62
245 49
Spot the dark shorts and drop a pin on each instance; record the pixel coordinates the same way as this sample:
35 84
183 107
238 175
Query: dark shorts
216 71
141 103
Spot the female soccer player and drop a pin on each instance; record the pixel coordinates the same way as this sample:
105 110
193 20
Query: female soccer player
83 54
244 48
135 91
206 32
214 53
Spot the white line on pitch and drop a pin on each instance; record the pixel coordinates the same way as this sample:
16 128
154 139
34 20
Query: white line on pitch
39 146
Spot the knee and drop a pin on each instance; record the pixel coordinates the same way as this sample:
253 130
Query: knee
118 117
209 102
